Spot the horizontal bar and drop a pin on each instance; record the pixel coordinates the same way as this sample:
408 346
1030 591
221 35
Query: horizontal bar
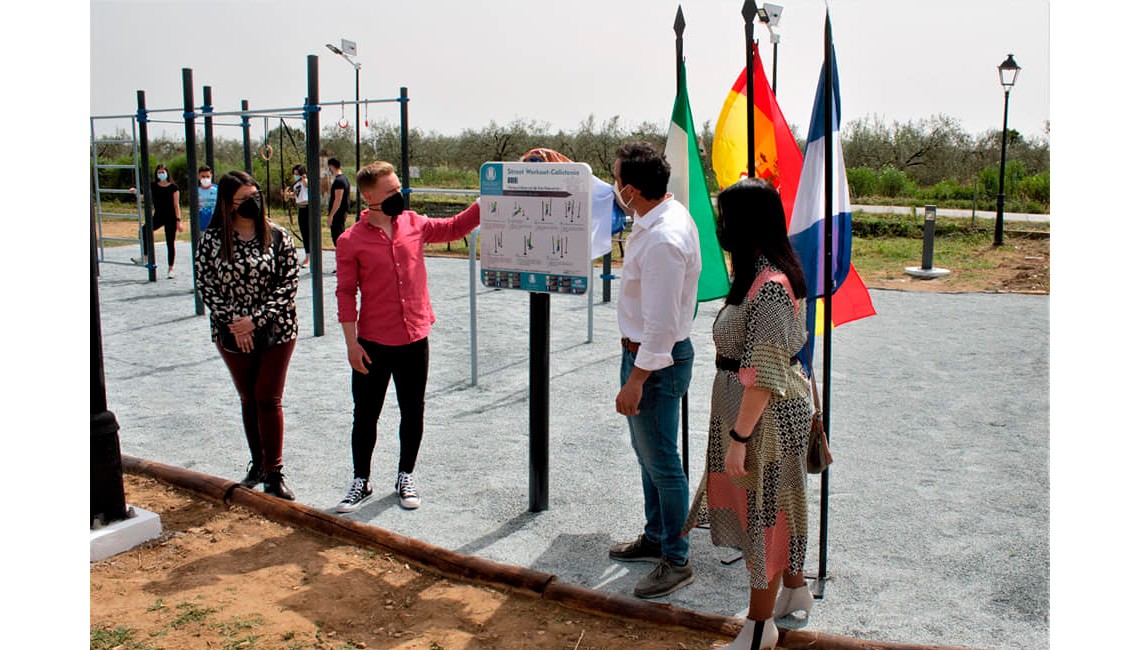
141 266
115 117
440 190
363 101
113 190
114 166
120 239
113 142
121 215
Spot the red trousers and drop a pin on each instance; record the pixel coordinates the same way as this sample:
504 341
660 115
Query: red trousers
260 381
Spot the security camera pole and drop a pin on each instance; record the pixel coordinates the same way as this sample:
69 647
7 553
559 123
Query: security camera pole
347 50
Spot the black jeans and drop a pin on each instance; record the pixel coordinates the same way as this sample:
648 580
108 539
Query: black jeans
303 224
171 228
407 366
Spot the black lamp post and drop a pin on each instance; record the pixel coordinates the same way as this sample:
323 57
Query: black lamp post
351 49
1007 72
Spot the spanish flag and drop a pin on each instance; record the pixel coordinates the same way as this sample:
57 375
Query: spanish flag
780 162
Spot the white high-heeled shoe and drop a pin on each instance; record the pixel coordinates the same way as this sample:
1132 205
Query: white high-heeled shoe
749 640
790 601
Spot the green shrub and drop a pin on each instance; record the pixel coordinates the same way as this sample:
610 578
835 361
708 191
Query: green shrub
1034 189
893 182
862 182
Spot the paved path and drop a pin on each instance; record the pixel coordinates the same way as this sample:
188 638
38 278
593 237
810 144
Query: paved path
939 498
954 212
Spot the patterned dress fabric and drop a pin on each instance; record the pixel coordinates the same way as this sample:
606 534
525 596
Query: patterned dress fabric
256 283
764 515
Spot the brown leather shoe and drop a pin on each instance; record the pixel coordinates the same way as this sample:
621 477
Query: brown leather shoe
639 550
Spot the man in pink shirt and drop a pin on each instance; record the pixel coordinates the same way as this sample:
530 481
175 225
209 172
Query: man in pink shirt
381 258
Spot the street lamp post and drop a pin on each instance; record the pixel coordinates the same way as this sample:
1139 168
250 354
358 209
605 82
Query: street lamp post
770 16
1007 72
346 50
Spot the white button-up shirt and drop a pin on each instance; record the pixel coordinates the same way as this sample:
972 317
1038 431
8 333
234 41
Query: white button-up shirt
659 283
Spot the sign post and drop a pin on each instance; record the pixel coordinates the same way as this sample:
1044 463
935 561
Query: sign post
534 235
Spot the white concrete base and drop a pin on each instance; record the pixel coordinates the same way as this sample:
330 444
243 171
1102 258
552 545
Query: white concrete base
124 535
926 274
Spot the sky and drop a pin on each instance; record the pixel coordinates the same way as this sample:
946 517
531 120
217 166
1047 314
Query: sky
466 64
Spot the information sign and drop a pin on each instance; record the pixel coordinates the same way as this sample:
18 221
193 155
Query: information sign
534 226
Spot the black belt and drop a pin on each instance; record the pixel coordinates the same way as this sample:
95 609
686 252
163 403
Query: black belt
631 346
724 363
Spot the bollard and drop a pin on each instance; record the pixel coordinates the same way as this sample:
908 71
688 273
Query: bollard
928 239
927 270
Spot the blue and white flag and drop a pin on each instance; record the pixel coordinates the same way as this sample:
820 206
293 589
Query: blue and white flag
806 229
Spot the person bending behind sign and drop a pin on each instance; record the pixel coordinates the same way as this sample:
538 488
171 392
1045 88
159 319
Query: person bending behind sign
381 258
753 485
247 275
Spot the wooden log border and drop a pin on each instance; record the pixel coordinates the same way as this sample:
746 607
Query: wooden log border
438 560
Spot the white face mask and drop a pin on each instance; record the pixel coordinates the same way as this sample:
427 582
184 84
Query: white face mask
205 182
621 202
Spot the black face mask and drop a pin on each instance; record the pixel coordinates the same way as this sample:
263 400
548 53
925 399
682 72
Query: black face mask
250 208
393 206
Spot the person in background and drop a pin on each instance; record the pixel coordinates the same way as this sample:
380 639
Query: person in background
338 200
207 197
754 480
247 276
299 192
655 315
380 258
167 211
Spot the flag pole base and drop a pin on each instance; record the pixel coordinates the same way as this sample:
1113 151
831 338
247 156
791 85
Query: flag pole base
817 586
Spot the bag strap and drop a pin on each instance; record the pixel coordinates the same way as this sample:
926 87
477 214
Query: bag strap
815 393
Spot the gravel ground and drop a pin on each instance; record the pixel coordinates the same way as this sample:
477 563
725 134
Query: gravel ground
938 516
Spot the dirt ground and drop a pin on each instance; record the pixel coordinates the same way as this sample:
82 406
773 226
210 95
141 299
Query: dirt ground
225 578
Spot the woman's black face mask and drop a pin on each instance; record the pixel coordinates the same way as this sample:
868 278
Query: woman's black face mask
250 208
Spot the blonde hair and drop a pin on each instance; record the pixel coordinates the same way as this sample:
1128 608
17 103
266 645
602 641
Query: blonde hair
367 177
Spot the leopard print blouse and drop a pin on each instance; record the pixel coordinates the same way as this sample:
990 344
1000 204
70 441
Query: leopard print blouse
259 284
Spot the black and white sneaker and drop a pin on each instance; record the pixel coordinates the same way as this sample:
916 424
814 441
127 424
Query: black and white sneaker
406 488
358 492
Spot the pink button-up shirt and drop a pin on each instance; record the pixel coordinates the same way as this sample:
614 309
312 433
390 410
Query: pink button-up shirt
389 274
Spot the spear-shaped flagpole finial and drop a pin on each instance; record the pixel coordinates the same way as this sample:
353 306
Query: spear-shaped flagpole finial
679 23
749 11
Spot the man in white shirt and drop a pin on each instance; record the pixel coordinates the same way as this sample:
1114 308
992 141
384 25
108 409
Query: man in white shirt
655 314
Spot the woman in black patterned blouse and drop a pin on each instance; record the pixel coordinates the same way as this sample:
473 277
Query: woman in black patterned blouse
247 275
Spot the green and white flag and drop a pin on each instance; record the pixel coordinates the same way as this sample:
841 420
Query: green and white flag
687 184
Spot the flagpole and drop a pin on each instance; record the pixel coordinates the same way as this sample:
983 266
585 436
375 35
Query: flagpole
679 30
749 12
828 260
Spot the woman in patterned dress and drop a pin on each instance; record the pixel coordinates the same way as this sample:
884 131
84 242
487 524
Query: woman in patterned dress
247 275
753 486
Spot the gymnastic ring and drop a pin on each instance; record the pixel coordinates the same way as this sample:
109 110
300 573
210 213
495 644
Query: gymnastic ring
265 152
342 123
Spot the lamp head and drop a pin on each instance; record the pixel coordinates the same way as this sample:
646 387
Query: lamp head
773 12
1007 72
335 49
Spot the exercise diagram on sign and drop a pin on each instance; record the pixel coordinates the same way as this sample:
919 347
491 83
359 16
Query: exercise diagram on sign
535 226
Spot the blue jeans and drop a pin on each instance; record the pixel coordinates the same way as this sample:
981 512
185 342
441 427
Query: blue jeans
653 433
